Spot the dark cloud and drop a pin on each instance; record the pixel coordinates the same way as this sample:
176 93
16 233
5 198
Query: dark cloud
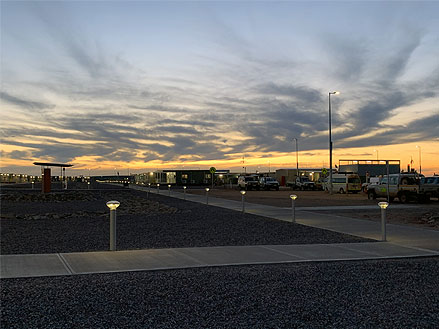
303 94
395 64
25 103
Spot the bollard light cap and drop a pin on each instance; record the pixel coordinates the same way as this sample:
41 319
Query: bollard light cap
113 204
242 192
293 196
184 187
207 189
383 205
158 185
169 185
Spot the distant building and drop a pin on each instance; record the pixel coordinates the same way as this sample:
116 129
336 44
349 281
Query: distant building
368 168
183 177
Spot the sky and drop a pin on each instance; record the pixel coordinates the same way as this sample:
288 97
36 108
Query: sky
135 86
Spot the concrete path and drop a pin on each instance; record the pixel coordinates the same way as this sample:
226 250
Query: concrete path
403 241
19 266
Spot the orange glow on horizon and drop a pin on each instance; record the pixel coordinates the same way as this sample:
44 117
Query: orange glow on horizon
258 161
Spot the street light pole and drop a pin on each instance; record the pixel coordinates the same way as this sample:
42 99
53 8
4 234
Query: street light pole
418 147
297 157
330 142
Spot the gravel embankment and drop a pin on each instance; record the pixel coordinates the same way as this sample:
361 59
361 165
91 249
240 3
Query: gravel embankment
369 294
79 221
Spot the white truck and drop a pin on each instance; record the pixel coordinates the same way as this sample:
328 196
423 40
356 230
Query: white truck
302 183
404 186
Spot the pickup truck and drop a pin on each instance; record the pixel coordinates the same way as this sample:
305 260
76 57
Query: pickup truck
302 183
268 183
430 186
247 183
404 186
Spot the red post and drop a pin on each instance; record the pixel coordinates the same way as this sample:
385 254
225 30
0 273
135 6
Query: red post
46 180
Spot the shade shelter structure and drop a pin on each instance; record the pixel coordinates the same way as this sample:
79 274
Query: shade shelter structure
45 170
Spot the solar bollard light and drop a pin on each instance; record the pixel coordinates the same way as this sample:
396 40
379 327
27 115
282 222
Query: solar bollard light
158 188
383 206
184 192
113 206
33 185
207 195
243 201
169 189
293 207
88 184
149 190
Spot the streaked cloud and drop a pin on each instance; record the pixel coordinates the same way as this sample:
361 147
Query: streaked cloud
235 90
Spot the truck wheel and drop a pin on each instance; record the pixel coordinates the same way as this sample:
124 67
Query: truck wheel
371 195
403 198
341 191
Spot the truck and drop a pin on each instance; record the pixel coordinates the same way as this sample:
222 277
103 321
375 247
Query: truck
404 186
302 183
267 183
247 183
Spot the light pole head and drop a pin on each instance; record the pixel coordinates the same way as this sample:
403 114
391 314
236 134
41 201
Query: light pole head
243 192
113 204
207 189
293 196
383 205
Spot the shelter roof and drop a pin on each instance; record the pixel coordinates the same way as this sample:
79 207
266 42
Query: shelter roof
51 164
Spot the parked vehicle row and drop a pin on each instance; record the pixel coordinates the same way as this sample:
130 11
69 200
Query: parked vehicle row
254 182
405 187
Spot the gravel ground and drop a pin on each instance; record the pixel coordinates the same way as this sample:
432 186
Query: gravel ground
369 294
79 221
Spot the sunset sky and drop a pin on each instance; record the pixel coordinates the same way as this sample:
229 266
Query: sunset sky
137 86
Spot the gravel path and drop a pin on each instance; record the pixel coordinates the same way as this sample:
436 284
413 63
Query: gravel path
79 221
370 294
